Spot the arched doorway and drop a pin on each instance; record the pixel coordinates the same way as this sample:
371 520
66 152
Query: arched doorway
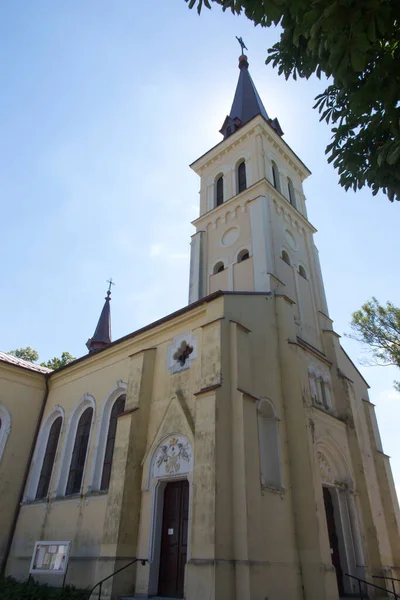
171 476
333 538
340 516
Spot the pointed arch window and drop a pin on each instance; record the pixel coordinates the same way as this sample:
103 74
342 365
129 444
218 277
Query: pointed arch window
241 176
285 257
292 195
117 409
48 459
275 176
219 190
79 452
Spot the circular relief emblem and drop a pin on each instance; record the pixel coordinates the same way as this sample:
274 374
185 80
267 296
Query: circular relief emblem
230 236
290 240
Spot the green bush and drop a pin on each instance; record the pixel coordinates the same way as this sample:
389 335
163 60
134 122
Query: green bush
10 589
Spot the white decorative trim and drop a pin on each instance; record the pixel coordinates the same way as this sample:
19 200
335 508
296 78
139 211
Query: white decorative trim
5 428
65 461
172 364
40 449
103 422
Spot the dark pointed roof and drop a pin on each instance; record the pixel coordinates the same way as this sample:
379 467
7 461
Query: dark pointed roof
247 103
102 335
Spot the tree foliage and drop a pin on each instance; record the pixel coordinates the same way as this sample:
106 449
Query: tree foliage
57 363
27 353
32 355
378 327
357 45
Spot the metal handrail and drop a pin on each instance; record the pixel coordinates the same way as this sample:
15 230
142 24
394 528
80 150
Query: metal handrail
392 579
378 587
100 583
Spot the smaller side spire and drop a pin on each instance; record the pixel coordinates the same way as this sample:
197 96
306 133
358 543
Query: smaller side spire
102 334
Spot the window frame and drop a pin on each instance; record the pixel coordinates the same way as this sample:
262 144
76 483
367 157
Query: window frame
302 272
242 255
83 430
275 176
66 453
240 169
291 193
112 423
95 476
219 190
40 449
53 452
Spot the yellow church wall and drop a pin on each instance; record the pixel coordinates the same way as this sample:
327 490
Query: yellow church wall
268 544
21 394
245 538
363 448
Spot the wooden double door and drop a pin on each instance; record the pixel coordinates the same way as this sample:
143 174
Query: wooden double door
174 534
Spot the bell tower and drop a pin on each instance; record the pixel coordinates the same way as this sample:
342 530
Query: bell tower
253 234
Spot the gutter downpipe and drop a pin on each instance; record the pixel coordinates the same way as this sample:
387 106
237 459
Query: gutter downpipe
25 479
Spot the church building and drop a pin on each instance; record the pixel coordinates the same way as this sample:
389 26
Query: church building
231 445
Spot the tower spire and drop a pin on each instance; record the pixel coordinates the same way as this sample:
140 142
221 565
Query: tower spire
247 103
102 334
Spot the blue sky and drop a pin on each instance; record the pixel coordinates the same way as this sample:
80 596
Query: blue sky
103 105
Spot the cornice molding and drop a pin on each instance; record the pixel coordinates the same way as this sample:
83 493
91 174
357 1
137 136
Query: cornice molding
257 126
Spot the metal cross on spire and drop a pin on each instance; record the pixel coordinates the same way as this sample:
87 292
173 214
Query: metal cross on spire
241 42
110 282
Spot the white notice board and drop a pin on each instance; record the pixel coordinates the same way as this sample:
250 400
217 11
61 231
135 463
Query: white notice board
50 557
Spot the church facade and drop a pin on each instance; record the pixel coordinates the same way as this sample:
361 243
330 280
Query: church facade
232 445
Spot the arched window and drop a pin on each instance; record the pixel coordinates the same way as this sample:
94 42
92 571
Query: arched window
268 441
117 409
302 271
243 255
48 459
219 190
5 427
77 466
241 177
275 176
219 267
292 195
285 257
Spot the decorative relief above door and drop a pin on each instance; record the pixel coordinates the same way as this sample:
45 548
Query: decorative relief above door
173 457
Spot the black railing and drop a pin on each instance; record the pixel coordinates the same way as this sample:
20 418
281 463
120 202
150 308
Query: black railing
100 583
364 596
392 579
